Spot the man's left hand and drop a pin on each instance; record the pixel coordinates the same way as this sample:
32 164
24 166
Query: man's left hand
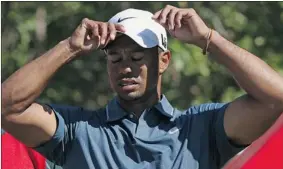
183 24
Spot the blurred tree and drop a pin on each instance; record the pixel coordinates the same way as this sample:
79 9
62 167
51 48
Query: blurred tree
31 28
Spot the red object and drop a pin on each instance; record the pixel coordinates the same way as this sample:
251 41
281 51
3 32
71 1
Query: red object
16 155
264 153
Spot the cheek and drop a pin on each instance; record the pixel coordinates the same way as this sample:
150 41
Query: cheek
151 74
144 72
111 73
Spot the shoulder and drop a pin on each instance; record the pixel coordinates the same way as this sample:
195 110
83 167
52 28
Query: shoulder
207 115
208 107
206 111
77 113
201 109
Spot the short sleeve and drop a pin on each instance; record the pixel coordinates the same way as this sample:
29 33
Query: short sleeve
221 146
225 148
57 147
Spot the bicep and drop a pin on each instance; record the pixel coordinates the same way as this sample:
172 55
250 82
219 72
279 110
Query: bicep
36 125
246 119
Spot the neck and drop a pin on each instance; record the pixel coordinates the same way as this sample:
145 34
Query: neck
148 100
139 105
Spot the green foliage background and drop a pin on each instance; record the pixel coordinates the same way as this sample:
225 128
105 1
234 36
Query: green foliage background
31 28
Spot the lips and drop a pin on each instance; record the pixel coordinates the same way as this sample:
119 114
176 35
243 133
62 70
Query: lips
126 82
128 85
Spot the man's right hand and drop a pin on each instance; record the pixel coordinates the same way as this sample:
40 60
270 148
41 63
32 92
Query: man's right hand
93 35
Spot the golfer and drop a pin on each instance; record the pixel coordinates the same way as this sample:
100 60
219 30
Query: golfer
139 128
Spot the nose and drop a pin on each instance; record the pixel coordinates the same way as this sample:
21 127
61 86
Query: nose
125 68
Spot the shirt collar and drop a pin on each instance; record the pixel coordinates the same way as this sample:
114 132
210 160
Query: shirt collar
115 112
164 107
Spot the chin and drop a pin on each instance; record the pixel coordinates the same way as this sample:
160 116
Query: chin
130 96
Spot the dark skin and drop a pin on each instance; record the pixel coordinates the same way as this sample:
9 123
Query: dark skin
128 63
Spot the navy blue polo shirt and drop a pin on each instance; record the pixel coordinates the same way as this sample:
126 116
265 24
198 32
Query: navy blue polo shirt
162 138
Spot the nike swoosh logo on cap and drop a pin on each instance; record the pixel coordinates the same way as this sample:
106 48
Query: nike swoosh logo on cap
120 19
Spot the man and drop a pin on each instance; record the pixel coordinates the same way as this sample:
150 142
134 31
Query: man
139 128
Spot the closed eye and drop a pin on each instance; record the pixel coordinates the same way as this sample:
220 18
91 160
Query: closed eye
114 57
137 56
116 61
137 59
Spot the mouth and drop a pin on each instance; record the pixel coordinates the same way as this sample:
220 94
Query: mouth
128 85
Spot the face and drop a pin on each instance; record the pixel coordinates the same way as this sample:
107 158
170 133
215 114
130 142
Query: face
133 71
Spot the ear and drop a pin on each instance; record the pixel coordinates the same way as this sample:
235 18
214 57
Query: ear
164 60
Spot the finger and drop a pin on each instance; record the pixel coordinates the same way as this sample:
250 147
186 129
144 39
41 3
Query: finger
163 15
81 30
111 34
171 18
91 35
95 31
185 15
88 25
95 34
189 13
178 19
119 27
92 30
91 44
164 25
108 39
103 30
112 31
156 15
88 36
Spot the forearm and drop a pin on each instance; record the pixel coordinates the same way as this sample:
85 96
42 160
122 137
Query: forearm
258 79
25 85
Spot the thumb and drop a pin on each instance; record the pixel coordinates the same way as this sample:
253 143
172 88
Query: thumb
91 44
120 28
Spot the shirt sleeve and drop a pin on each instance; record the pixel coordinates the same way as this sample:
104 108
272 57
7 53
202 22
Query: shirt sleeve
57 147
225 147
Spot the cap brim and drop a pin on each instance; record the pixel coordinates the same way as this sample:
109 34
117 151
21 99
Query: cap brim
139 32
141 40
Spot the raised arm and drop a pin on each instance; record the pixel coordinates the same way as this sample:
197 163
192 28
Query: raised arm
249 116
29 122
26 120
